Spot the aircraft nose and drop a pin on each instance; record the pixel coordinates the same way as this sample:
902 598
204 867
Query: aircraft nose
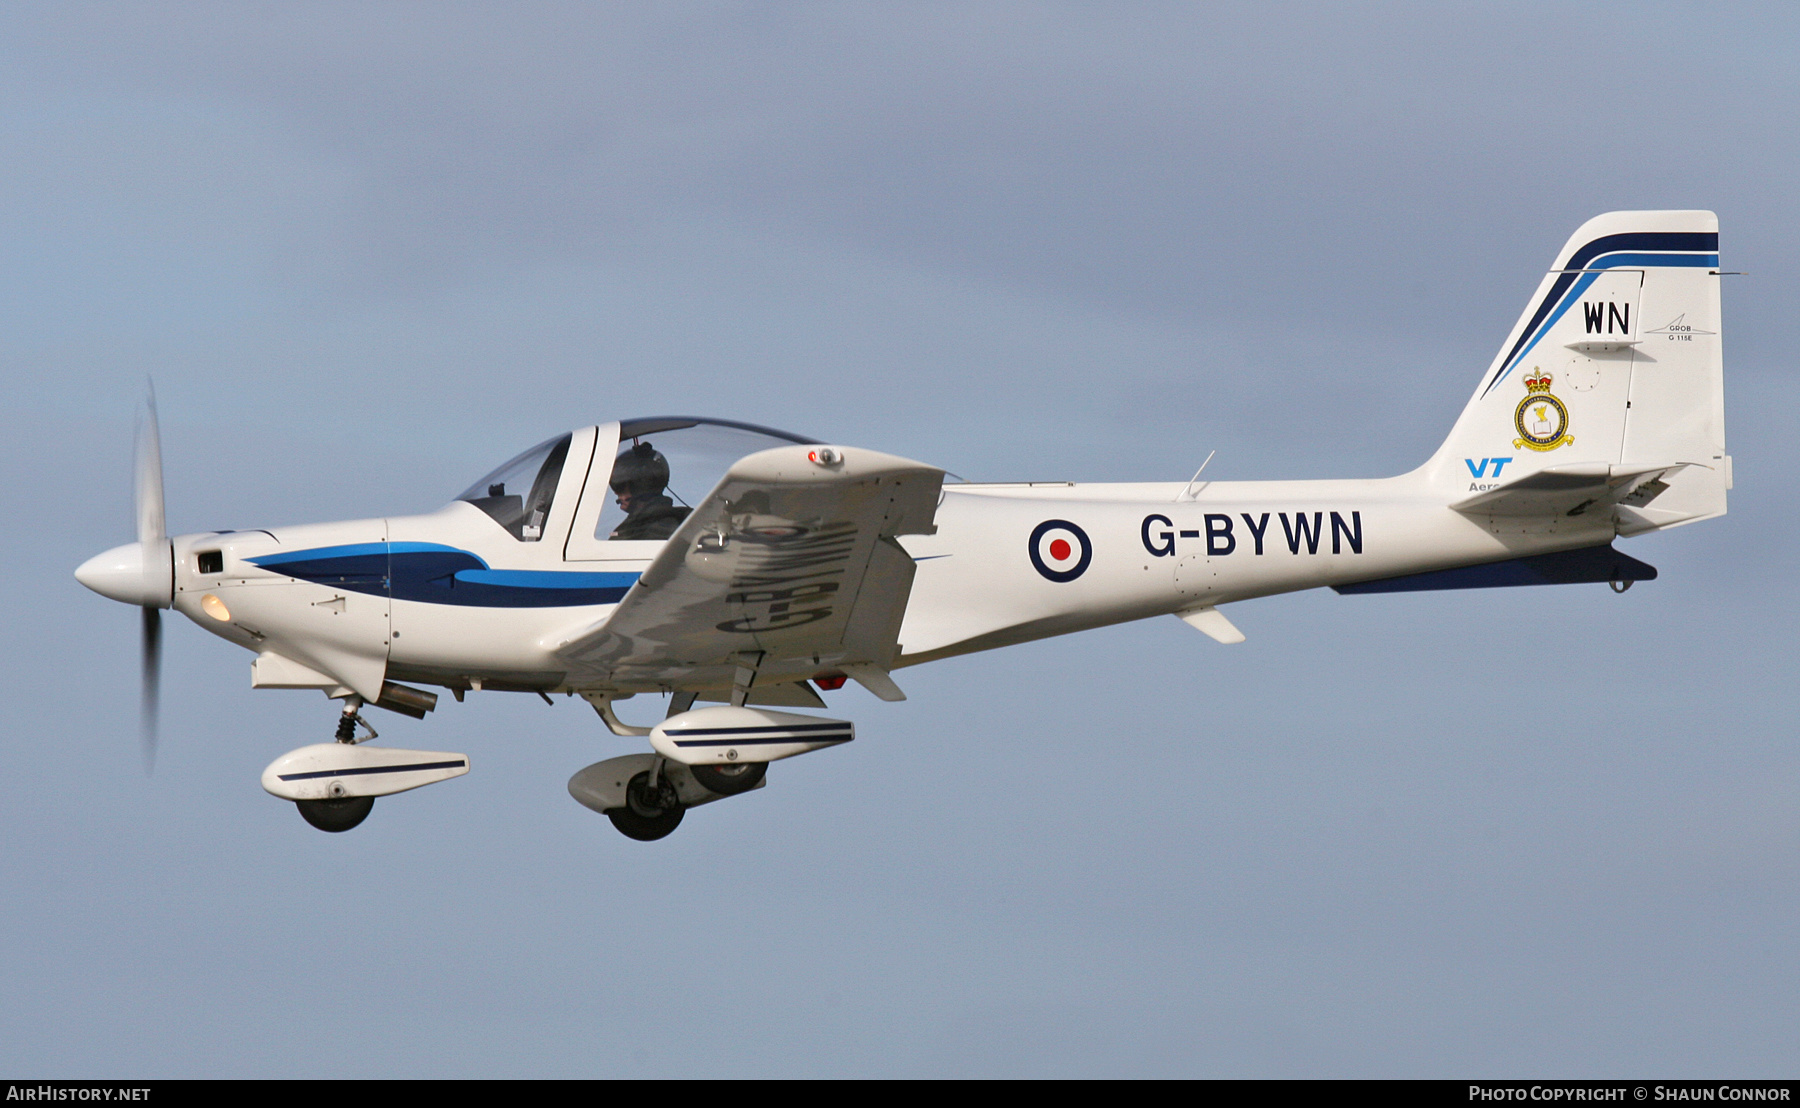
123 574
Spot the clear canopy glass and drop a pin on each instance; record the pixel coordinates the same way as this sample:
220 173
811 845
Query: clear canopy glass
519 493
696 453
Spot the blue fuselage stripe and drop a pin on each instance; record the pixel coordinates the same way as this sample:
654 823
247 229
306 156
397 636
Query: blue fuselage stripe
328 553
429 573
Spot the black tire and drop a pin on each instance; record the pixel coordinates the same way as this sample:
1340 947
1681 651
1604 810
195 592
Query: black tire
649 814
336 815
731 778
644 830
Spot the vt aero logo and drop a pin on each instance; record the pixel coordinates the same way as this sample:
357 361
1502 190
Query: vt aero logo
1478 469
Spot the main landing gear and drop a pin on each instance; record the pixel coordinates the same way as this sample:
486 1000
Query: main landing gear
654 803
652 809
729 780
699 755
646 795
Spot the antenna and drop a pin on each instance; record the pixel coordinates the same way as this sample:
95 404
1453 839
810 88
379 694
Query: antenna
1188 492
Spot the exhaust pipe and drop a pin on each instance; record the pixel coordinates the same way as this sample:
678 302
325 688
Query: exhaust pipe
406 700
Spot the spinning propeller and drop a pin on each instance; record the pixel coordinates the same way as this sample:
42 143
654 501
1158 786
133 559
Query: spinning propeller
142 572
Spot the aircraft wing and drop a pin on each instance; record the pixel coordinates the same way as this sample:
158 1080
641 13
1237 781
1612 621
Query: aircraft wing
789 566
1572 490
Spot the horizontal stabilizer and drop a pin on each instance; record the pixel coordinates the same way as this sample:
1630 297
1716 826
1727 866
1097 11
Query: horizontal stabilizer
1588 565
1571 490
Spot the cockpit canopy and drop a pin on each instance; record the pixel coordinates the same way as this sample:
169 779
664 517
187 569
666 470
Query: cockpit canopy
534 474
683 457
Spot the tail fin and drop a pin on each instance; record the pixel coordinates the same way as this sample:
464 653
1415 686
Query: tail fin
1616 361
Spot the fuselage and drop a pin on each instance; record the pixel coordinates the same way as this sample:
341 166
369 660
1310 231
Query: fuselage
451 598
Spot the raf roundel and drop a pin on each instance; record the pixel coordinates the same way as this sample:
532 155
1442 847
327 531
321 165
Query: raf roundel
1060 550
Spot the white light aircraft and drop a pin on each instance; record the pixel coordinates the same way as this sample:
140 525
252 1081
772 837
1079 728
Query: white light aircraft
748 569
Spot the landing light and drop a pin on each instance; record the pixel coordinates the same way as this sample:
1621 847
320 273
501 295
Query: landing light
215 608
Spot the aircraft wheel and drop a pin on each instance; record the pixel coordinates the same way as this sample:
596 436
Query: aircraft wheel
649 814
340 814
731 778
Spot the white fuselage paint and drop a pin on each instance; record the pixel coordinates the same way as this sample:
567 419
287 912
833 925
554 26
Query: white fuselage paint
977 589
1154 551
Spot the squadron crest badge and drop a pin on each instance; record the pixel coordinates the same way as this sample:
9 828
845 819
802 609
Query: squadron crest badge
1541 419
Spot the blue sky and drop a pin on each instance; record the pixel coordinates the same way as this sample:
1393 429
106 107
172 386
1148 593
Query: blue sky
369 251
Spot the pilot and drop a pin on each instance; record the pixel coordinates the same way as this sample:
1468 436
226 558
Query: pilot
639 477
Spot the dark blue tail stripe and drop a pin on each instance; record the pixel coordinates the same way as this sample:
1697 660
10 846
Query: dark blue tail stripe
1690 242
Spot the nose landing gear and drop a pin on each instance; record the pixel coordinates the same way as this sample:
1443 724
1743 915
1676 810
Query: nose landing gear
334 785
340 814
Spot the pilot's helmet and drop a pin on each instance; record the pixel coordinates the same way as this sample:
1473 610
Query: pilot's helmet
640 471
